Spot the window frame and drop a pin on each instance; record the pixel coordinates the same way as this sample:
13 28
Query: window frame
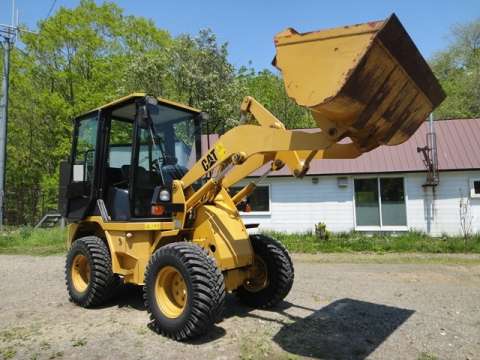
74 150
473 195
253 212
108 142
381 227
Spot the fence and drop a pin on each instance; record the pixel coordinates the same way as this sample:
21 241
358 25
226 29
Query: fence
28 206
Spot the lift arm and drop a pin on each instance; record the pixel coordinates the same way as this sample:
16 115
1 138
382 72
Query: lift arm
249 147
246 148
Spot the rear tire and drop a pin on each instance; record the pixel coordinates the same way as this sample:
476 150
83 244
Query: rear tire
184 291
275 274
88 272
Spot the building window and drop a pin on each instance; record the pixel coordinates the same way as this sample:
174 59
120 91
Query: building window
475 188
380 202
259 200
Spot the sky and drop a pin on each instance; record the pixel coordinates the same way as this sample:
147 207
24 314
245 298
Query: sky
248 26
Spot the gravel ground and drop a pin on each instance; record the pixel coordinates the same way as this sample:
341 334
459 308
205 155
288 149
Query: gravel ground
341 307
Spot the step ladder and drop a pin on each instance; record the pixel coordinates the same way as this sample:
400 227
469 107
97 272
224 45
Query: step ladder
49 221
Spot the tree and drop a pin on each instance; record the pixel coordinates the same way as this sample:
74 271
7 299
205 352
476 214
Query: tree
458 69
194 71
74 64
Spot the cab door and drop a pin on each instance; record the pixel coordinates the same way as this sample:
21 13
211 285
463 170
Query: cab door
82 182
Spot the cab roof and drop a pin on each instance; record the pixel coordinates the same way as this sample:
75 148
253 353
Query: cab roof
129 98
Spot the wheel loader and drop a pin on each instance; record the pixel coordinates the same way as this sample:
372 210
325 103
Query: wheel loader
147 205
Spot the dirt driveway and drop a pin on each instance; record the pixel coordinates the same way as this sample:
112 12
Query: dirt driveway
341 307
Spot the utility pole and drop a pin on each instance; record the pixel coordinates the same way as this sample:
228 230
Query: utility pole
8 34
6 45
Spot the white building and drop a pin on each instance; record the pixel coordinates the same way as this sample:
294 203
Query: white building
380 191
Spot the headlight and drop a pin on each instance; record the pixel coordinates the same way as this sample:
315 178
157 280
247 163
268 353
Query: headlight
164 195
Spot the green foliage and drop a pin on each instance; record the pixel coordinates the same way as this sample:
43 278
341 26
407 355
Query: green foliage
321 231
75 63
26 240
194 71
398 243
458 69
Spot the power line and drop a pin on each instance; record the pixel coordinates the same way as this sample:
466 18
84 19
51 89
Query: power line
51 8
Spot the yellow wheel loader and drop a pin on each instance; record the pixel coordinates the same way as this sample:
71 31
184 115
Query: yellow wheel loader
146 206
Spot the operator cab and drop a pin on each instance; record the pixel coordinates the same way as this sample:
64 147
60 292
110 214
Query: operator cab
125 157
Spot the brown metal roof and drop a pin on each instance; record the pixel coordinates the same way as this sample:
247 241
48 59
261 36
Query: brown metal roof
458 143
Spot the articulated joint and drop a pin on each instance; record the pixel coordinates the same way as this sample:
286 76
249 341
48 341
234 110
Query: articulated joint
306 165
277 165
239 158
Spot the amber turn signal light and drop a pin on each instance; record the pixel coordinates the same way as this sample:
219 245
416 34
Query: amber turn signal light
158 210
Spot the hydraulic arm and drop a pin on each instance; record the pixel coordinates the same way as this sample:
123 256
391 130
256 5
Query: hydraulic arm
235 156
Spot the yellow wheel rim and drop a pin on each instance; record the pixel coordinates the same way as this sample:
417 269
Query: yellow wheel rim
80 272
258 279
171 292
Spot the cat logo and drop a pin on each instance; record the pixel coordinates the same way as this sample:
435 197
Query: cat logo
214 155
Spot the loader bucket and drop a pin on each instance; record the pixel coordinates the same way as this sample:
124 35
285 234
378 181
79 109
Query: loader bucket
368 82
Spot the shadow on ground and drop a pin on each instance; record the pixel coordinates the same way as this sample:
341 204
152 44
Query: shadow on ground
344 329
128 296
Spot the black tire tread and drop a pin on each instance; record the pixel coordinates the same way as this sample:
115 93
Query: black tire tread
280 268
103 282
208 290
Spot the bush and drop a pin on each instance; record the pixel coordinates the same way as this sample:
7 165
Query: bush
321 231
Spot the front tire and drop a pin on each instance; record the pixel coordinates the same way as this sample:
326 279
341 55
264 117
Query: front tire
273 274
184 291
88 272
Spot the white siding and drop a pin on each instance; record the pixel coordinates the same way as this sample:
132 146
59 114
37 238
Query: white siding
297 205
446 203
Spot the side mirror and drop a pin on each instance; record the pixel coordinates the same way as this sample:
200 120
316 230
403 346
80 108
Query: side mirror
204 117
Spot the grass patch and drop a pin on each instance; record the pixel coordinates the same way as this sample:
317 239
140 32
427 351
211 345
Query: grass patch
426 356
255 346
31 241
8 353
409 242
389 258
79 342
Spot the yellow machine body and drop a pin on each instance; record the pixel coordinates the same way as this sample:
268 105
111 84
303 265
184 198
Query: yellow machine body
218 228
367 82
